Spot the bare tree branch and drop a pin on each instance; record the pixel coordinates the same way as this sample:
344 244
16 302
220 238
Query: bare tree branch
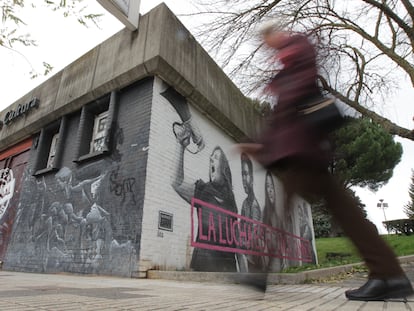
389 126
409 7
362 45
389 12
13 30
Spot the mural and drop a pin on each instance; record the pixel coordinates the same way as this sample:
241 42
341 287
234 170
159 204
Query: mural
69 226
7 183
306 227
227 236
229 213
250 209
12 165
69 221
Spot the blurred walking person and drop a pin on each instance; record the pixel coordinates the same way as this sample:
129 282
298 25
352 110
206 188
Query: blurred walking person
299 154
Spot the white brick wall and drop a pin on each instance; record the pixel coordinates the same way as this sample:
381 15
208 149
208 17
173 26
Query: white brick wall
172 250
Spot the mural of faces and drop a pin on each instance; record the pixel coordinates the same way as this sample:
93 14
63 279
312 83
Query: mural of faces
247 176
215 233
270 188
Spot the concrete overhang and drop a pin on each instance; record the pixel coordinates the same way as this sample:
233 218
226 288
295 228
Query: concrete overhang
162 47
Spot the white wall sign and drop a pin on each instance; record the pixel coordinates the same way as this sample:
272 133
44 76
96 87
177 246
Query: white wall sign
127 11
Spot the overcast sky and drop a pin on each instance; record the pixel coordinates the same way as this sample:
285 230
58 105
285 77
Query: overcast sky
61 41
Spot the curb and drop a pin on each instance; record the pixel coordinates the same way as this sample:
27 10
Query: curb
273 278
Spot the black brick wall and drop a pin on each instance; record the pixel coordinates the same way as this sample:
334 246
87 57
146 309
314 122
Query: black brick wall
86 217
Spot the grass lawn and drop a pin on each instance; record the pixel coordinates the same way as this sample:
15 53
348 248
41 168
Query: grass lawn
401 244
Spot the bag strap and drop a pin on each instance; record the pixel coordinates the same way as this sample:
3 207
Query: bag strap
318 106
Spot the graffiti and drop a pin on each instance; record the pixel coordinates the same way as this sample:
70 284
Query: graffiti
86 231
69 225
65 239
68 231
122 187
64 177
97 238
230 232
218 191
250 209
7 183
181 106
270 216
10 189
305 229
225 237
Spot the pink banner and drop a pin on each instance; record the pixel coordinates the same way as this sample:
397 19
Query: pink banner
230 232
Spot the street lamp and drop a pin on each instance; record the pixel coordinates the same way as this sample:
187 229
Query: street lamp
381 204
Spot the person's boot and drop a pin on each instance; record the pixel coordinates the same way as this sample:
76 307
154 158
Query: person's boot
256 281
382 289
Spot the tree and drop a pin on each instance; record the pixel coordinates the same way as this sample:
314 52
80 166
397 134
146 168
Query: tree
365 46
323 224
14 32
409 207
321 221
364 154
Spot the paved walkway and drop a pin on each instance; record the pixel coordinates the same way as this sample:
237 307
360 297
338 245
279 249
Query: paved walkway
27 291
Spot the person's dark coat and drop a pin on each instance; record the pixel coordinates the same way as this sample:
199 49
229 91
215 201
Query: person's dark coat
287 136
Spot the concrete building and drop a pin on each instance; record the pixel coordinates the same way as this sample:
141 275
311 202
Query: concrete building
123 162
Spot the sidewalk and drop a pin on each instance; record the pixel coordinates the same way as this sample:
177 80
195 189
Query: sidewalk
28 291
273 278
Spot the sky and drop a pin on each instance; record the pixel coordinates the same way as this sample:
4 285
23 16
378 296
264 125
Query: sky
63 40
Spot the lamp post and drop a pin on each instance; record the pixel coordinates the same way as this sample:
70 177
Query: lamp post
382 205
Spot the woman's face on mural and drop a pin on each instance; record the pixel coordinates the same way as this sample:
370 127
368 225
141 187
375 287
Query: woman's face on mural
270 188
246 177
303 212
215 166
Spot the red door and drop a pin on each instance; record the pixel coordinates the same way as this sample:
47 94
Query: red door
12 165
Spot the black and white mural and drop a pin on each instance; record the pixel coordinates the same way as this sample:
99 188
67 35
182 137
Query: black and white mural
68 227
86 216
237 220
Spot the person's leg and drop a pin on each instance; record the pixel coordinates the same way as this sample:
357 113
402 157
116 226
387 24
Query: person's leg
379 257
387 279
